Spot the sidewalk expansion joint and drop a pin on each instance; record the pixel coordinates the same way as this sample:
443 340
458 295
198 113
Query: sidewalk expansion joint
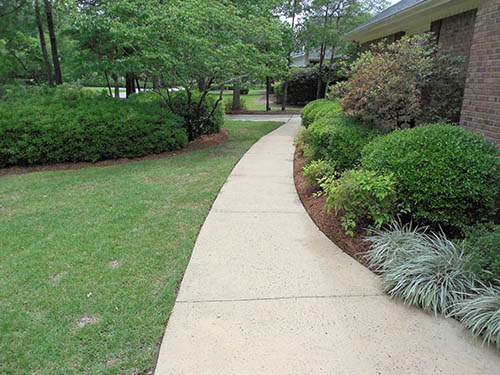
256 212
280 298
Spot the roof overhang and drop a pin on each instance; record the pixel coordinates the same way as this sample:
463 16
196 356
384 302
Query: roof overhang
412 18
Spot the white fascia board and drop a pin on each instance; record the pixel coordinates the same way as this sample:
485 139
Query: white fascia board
417 17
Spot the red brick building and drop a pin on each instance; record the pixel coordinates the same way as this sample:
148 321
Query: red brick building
469 28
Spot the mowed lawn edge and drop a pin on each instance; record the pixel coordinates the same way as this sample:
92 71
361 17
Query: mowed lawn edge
90 259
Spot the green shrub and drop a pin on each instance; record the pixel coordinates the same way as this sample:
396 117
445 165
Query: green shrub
403 84
302 85
308 114
228 104
59 128
483 245
362 197
317 170
425 270
197 122
47 95
445 175
481 314
338 139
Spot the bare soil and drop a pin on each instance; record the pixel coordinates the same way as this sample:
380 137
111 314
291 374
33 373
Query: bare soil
327 222
201 143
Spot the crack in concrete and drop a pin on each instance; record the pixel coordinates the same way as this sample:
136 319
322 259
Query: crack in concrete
280 298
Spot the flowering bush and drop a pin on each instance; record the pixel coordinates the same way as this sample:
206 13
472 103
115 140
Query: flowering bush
403 84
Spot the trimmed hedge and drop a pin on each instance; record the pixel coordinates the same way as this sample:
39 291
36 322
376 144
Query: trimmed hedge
310 111
339 140
445 175
69 125
195 125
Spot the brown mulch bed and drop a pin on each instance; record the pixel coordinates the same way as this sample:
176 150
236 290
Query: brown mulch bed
328 223
201 143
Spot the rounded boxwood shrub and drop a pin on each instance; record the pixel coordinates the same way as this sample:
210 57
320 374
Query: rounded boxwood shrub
317 109
338 139
51 129
445 175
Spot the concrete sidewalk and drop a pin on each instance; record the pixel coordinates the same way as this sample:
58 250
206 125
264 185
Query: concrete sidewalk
266 292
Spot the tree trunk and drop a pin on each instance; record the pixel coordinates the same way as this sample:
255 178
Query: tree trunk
322 56
43 44
284 96
268 90
130 84
330 68
320 73
201 84
156 82
107 82
236 98
53 42
117 86
285 85
138 86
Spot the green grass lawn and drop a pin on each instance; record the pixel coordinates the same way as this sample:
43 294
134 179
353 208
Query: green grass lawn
90 259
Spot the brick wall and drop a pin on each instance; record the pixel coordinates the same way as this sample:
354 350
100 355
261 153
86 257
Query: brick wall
481 105
455 36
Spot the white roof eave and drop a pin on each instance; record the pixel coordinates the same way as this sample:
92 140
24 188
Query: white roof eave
420 13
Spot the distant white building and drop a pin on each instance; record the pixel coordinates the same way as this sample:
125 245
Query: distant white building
308 58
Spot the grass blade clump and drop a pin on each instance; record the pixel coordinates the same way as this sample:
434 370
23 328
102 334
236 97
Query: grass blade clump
425 270
481 314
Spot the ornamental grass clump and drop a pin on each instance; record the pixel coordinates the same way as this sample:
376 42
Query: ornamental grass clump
425 270
481 314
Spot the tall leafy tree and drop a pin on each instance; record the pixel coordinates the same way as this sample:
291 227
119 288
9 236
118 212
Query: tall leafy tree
215 42
326 20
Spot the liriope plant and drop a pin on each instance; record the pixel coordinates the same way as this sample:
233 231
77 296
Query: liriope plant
480 313
425 270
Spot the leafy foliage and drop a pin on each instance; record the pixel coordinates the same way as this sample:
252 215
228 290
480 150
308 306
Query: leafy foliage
483 245
403 84
481 314
445 175
301 86
66 125
228 104
362 197
318 170
308 114
201 117
338 139
425 270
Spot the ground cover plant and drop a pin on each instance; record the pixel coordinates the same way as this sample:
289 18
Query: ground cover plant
90 259
480 313
422 269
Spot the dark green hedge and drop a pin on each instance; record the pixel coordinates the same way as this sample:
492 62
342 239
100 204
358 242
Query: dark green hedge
195 125
302 85
70 125
446 176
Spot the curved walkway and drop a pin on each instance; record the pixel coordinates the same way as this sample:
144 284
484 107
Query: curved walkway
266 292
